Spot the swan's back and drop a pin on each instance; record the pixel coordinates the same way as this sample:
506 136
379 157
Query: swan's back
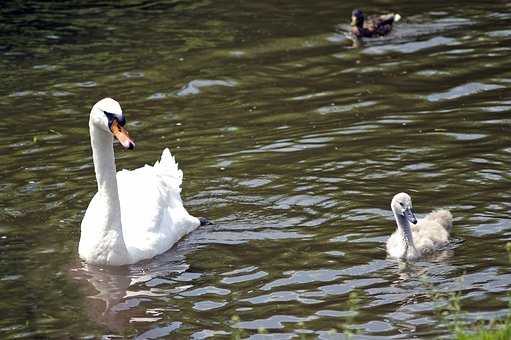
432 232
152 212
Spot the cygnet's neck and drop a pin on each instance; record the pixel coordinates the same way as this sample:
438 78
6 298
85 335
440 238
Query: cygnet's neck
404 230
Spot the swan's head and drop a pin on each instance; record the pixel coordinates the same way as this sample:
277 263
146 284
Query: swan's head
107 115
357 18
402 205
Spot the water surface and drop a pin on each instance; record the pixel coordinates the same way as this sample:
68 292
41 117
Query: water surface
292 141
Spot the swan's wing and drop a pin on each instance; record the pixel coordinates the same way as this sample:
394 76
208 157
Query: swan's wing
171 177
152 213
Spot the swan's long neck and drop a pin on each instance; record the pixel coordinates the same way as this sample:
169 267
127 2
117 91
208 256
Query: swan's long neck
104 167
107 229
404 230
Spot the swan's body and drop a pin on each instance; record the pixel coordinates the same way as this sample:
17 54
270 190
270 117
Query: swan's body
423 237
136 214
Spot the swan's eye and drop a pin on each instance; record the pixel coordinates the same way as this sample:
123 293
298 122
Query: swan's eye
109 115
112 116
401 204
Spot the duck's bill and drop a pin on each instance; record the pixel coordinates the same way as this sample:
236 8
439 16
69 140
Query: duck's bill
122 135
410 216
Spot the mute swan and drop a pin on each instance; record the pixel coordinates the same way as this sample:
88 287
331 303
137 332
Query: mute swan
425 236
372 26
136 214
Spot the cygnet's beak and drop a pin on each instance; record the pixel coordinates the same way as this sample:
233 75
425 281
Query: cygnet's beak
410 216
353 20
122 135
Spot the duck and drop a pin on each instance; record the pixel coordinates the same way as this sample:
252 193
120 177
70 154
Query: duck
135 214
372 26
425 235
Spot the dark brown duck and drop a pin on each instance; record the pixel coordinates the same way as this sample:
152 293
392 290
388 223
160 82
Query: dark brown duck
372 26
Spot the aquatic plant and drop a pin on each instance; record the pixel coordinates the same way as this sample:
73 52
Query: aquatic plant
495 329
448 310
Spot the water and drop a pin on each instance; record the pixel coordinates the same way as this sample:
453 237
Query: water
292 141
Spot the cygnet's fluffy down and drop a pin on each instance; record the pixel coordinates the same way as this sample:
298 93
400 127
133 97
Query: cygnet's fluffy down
421 237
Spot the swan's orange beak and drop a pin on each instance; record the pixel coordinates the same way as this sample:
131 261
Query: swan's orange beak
122 135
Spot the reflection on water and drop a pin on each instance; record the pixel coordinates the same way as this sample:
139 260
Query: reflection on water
463 90
290 139
109 288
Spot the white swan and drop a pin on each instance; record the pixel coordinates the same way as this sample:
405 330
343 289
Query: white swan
425 236
136 214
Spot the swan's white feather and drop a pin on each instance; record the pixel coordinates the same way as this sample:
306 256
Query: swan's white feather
136 214
99 246
153 217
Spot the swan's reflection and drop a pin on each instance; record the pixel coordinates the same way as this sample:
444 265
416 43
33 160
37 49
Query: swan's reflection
112 293
109 287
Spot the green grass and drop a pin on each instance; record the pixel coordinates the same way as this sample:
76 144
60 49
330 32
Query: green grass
498 331
495 330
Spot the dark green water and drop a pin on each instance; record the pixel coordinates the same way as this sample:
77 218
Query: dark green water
290 140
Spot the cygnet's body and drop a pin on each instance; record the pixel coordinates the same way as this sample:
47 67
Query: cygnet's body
423 237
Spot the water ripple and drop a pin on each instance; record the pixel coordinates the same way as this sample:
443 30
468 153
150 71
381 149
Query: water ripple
291 140
411 47
462 91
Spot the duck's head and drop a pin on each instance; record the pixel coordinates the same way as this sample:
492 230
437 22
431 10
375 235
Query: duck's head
107 115
402 205
357 18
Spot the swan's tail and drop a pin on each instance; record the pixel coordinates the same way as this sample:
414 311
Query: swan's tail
171 178
169 171
442 216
